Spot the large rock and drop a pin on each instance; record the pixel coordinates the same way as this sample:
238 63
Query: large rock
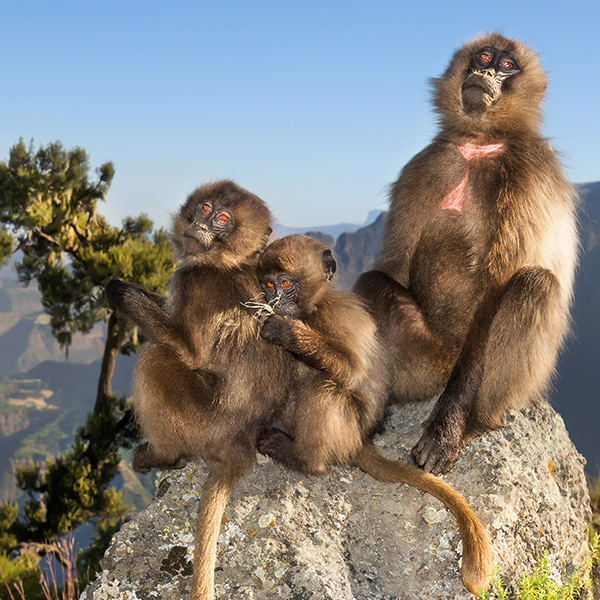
345 536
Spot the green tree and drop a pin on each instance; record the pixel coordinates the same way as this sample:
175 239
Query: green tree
49 212
49 223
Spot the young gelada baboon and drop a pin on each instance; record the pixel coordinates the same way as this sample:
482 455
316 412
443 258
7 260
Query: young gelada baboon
473 286
205 384
341 370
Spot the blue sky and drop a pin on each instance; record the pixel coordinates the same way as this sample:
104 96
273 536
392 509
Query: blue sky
313 105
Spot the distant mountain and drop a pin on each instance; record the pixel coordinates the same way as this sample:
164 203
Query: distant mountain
356 252
40 411
577 395
333 230
25 335
43 396
590 194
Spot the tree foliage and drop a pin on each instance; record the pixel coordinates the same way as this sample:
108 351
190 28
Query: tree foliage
49 211
50 224
74 488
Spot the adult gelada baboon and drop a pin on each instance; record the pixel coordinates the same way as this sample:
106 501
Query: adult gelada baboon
340 385
473 286
205 383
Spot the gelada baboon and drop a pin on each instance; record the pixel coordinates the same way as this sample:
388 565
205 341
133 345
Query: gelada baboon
473 286
205 384
342 385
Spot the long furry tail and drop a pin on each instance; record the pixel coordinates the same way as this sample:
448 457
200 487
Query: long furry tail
215 495
477 550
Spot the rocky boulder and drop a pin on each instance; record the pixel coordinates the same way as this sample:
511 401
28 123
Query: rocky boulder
344 536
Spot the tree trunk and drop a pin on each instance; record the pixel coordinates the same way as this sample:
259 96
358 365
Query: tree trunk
111 349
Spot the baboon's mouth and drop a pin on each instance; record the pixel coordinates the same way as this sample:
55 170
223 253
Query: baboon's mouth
476 98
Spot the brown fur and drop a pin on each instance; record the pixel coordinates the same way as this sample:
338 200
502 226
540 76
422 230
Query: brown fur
342 388
475 302
205 384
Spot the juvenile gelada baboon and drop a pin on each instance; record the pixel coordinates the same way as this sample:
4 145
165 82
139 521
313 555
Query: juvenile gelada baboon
473 286
342 385
205 384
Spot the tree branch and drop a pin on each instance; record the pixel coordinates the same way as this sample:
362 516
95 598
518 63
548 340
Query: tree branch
70 251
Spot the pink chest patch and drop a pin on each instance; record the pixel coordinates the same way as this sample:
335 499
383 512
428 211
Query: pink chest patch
470 151
455 199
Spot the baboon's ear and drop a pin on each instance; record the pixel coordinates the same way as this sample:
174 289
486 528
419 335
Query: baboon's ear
268 238
329 264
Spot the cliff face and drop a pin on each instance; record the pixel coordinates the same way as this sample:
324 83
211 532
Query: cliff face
357 252
26 336
344 536
578 378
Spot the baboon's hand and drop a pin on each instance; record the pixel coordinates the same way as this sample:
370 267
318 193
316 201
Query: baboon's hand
278 330
116 290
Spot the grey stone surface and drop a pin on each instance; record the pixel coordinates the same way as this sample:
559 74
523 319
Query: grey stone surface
344 536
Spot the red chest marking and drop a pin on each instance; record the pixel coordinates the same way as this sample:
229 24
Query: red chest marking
455 199
470 151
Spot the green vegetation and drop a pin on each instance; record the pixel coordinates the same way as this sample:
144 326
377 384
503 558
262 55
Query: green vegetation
20 578
24 578
49 215
540 586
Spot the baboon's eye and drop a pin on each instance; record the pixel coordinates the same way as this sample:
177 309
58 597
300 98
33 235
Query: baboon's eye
486 57
206 208
507 64
269 285
223 218
286 284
